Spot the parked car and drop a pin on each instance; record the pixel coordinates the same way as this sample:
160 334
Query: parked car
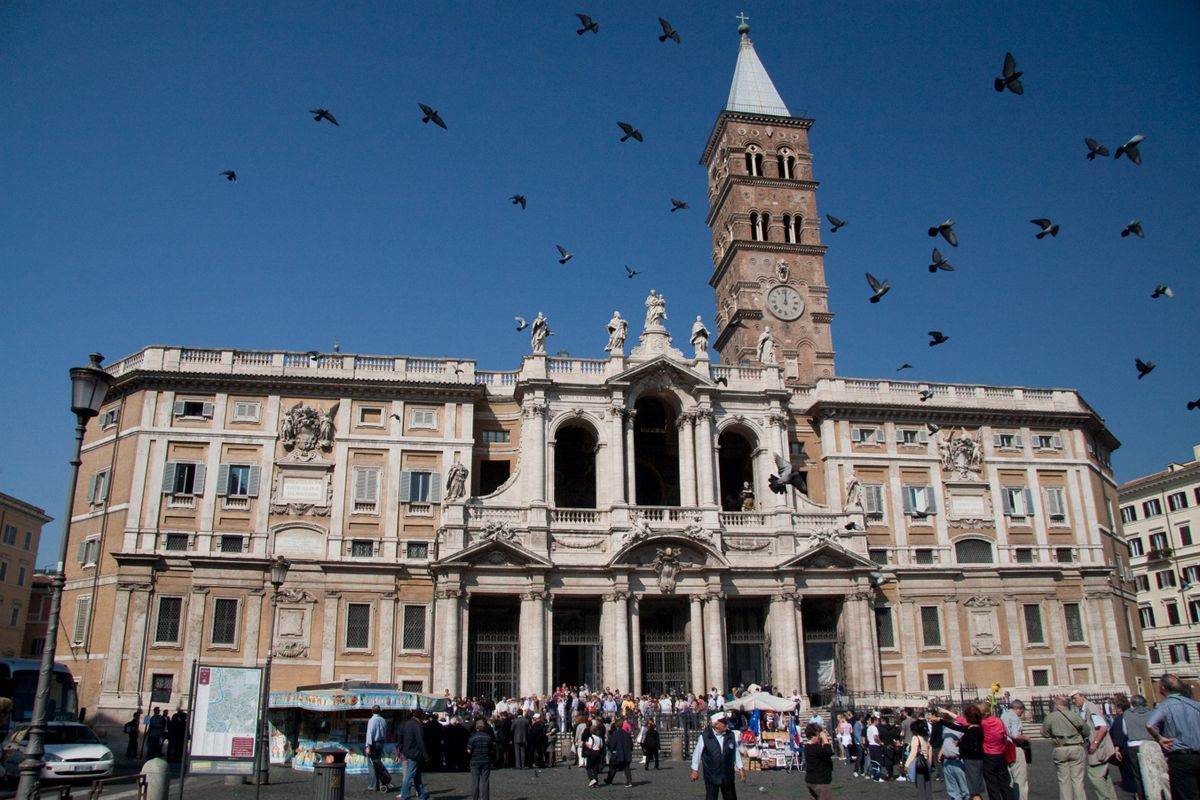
72 752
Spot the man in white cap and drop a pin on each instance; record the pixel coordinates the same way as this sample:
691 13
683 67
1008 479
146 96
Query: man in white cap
717 752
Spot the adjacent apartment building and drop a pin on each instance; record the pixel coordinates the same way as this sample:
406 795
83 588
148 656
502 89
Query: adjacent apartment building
20 532
1161 516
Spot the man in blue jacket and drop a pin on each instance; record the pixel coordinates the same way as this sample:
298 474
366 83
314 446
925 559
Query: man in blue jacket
717 753
412 750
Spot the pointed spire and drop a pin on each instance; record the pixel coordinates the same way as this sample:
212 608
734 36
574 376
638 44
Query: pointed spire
752 91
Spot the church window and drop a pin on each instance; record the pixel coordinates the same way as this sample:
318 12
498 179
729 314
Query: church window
931 627
1074 620
183 480
766 227
233 544
924 555
366 490
575 467
1041 677
414 628
1033 624
878 554
867 436
973 551
238 481
224 622
358 626
919 501
755 226
935 681
787 228
1056 505
1047 441
872 500
911 437
1017 501
418 551
495 437
785 165
193 409
1024 555
885 633
362 548
1007 441
1064 555
166 628
754 161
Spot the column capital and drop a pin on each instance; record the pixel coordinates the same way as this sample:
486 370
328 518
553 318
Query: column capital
776 420
534 409
616 596
535 594
710 596
867 595
448 593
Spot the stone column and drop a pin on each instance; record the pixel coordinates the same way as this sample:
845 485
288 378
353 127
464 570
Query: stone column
776 445
779 618
333 601
548 650
618 603
1058 640
616 435
687 452
696 634
116 643
630 466
635 644
533 642
714 636
705 477
445 646
534 445
1103 650
910 645
788 611
139 609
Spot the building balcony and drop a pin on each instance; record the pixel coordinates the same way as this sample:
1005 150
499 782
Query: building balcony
1159 554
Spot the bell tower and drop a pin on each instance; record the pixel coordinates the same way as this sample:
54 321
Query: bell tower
769 266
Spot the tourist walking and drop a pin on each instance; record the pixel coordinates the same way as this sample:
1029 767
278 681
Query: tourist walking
920 759
520 739
1099 747
156 729
970 745
378 779
592 748
131 730
818 763
716 756
1014 725
620 754
1068 733
953 771
995 760
650 743
414 753
481 751
1175 725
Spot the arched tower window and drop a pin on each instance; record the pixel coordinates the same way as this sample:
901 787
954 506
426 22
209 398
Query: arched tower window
788 235
766 227
794 228
656 454
756 231
736 464
754 161
575 467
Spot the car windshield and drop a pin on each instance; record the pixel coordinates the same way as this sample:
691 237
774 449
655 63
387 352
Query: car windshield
70 734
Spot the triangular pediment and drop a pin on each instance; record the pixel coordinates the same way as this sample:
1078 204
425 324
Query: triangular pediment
664 370
494 552
828 555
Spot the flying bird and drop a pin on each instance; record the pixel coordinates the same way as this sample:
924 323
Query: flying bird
926 394
518 200
1144 368
668 31
521 324
937 338
1010 79
588 24
880 288
835 222
1094 148
723 381
905 365
940 262
631 272
230 175
398 418
1193 404
946 229
929 426
313 353
562 251
322 113
677 205
1162 290
431 116
787 477
1134 227
1047 228
1130 149
629 131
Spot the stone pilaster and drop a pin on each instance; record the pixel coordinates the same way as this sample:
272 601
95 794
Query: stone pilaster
254 621
687 451
635 644
139 610
329 639
696 631
197 606
618 608
387 638
116 644
714 636
533 642
534 444
616 435
445 647
705 478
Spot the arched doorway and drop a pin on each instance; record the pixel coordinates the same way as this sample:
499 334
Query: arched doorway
737 468
575 467
656 449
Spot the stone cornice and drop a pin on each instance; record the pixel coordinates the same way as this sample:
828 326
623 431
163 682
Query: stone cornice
718 202
754 119
739 245
315 386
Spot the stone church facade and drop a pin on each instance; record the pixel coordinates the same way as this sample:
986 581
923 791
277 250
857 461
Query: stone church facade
605 521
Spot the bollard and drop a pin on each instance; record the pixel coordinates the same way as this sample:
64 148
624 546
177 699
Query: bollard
329 774
158 778
677 747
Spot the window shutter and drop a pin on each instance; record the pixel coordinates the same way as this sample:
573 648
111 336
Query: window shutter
1056 442
405 485
871 499
208 410
179 408
930 501
93 489
1018 441
899 436
1006 497
1053 502
908 499
360 485
879 436
922 436
435 487
104 477
255 476
222 480
372 485
1028 502
198 482
83 610
169 477
997 441
82 554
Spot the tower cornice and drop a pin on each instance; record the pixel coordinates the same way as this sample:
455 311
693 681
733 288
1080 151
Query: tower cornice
754 119
748 180
762 247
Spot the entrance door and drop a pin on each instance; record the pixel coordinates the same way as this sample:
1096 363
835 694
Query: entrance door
666 662
495 661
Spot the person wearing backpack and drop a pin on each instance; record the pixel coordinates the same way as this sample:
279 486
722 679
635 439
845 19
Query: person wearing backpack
1175 725
920 757
818 763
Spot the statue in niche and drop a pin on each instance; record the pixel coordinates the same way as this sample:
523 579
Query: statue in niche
961 455
456 481
538 333
305 429
747 497
656 310
617 331
666 564
699 336
766 348
854 492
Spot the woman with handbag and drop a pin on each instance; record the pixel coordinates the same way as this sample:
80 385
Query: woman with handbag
593 753
920 757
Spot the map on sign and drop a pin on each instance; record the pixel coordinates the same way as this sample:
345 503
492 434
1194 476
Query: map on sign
226 719
230 693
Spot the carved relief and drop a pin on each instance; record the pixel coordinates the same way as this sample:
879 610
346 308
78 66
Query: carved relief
981 601
305 429
962 455
575 542
985 633
293 648
498 531
666 564
290 595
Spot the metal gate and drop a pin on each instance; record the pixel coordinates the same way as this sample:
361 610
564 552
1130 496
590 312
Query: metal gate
666 662
589 654
748 656
495 661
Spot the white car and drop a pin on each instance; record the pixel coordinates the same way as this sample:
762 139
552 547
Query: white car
72 752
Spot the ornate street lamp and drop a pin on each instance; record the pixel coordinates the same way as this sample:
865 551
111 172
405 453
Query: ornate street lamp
279 571
89 385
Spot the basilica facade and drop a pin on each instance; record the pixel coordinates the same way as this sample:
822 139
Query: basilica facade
610 521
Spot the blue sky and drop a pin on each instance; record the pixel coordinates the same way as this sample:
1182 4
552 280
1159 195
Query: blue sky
394 237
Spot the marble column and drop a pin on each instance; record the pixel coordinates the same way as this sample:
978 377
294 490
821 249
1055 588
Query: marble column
696 631
116 644
635 644
788 611
446 662
616 435
705 477
535 445
687 452
619 609
714 636
630 459
533 642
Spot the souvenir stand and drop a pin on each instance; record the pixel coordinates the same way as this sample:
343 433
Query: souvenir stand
335 715
765 746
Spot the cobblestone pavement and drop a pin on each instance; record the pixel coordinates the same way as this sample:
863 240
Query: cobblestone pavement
562 783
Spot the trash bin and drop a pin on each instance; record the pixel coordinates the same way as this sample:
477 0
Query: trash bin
329 774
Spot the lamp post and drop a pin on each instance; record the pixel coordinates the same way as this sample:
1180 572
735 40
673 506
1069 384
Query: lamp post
89 385
279 570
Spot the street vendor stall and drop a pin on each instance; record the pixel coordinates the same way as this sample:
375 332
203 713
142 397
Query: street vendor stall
335 715
766 743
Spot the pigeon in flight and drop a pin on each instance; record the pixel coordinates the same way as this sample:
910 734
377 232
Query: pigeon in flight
1193 404
518 200
787 477
1162 290
946 229
905 365
629 131
677 205
937 338
668 31
431 116
322 113
230 175
926 394
521 324
631 272
880 288
1094 148
835 222
1047 228
313 353
723 381
398 418
1144 368
1130 149
929 426
588 24
562 251
1011 79
1134 227
940 262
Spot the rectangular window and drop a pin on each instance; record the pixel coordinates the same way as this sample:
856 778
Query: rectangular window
1046 441
1056 505
414 628
1172 613
1146 614
176 542
412 686
878 554
83 613
160 688
1152 508
21 576
422 418
183 478
110 417
10 534
923 555
97 491
14 617
193 409
1177 501
362 548
1041 677
1024 555
1017 500
1074 620
89 551
419 486
495 437
370 416
931 627
911 437
1155 658
935 681
873 500
246 410
3 570
867 436
416 550
28 539
233 544
918 501
37 646
1033 624
1135 547
1180 653
492 475
358 626
1007 441
238 480
1064 555
1158 542
884 632
1165 578
1185 535
224 622
366 490
1191 575
170 615
1194 611
1128 514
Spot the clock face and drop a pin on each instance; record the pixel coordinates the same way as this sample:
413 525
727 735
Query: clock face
785 302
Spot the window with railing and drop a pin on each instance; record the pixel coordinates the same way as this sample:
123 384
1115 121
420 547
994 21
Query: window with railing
224 622
414 628
358 626
1074 619
973 551
1033 624
170 616
931 627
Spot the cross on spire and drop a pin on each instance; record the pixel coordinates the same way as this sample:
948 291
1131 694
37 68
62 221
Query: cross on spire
742 16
